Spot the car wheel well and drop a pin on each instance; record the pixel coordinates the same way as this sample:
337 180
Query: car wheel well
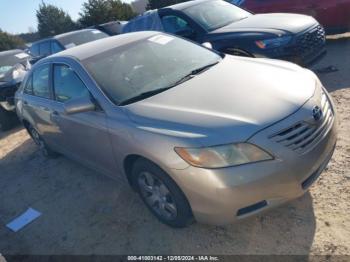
26 124
128 164
237 51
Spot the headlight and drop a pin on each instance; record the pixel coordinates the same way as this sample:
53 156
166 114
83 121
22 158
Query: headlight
274 42
223 156
15 74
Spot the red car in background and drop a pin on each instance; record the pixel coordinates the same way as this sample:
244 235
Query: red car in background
334 15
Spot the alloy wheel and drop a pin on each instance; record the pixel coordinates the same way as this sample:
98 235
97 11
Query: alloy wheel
157 195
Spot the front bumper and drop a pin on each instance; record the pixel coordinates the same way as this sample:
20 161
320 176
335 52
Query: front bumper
223 196
306 48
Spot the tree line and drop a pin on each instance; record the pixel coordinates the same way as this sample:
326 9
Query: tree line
53 20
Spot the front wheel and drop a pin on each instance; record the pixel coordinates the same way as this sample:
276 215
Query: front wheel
161 194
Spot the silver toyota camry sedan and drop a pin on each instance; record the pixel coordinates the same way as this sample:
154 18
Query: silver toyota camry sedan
199 135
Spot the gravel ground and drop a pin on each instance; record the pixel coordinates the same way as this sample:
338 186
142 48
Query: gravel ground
87 213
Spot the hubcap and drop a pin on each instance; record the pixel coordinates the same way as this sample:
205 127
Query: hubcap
157 196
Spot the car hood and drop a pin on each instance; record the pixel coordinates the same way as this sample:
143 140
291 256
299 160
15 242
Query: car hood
228 103
287 23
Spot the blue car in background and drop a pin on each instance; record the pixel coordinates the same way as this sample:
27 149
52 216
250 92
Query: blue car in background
233 30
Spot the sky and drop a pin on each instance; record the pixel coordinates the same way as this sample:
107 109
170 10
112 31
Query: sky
18 16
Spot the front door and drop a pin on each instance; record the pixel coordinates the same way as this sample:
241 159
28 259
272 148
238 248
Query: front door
83 136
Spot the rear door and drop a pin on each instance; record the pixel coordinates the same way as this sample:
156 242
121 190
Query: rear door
37 100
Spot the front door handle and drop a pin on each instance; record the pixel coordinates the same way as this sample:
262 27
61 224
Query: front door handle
55 113
25 103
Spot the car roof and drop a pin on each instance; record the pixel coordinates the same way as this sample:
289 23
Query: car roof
73 33
184 5
11 52
63 35
90 49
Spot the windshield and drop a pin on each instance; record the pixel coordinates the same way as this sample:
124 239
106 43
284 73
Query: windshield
215 14
151 64
81 37
8 61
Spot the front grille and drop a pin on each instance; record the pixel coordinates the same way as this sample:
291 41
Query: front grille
311 41
303 136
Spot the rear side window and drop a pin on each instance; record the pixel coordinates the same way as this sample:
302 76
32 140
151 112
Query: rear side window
67 84
34 50
41 85
45 49
55 47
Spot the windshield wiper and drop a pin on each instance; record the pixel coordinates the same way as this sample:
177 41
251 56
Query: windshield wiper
142 96
203 68
150 93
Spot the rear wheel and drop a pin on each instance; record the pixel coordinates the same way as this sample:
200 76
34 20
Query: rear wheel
7 119
45 150
161 194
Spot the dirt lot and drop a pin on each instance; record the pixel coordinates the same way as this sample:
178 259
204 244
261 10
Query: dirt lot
87 213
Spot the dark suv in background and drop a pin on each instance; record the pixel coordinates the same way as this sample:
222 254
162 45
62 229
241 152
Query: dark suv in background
46 47
232 30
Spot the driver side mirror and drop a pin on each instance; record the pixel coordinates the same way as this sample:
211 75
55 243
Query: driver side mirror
79 105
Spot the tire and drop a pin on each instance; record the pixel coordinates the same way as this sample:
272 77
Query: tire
162 197
44 148
238 52
7 119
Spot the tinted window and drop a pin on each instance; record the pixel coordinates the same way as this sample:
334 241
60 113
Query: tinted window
147 65
215 14
173 24
67 84
45 49
28 89
41 82
34 50
81 37
55 47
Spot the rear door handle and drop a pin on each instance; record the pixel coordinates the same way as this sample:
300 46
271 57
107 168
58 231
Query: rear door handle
55 113
25 103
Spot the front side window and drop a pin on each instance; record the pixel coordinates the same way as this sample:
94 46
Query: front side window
28 89
212 15
151 64
41 86
175 25
67 84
